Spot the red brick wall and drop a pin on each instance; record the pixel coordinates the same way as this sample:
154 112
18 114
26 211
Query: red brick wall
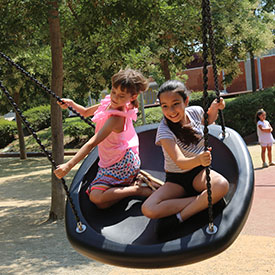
195 77
268 71
239 83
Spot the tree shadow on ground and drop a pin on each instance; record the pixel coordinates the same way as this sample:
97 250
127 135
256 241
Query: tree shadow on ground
28 243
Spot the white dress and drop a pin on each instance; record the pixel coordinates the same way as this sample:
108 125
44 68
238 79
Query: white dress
264 137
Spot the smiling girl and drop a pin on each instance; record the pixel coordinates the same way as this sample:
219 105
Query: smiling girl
180 134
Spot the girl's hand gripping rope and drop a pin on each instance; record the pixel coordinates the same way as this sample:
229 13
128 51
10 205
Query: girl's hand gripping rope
62 170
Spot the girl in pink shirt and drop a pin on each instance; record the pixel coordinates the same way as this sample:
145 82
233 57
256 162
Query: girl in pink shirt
116 139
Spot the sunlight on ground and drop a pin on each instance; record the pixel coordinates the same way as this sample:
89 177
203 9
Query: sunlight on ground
15 167
255 152
33 246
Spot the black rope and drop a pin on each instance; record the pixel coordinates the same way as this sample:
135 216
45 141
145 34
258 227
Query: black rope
43 87
214 60
30 129
205 22
47 153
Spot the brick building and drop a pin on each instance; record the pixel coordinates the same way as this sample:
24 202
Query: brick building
265 75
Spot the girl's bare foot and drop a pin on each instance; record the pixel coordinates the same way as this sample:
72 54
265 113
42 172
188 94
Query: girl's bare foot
142 186
144 180
144 191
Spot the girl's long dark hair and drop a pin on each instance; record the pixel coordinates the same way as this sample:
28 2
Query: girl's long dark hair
185 134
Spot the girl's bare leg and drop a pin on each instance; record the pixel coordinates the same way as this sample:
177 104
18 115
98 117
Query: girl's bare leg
269 153
263 153
219 188
165 201
104 199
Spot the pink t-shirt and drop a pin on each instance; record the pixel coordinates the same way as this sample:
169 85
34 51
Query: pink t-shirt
113 148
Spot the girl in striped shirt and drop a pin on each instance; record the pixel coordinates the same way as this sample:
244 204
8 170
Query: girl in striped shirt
180 134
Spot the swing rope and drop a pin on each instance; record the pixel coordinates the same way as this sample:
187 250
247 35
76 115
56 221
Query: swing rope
43 87
208 35
47 153
80 227
208 25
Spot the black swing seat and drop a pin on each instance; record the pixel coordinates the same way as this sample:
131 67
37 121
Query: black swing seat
122 236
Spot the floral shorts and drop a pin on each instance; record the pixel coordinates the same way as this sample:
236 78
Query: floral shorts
120 174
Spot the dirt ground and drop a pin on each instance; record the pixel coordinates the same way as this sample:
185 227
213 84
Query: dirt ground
29 245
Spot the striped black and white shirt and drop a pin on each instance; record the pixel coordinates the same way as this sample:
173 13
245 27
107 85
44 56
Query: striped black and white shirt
195 115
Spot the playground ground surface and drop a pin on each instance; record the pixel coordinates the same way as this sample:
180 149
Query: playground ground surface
30 245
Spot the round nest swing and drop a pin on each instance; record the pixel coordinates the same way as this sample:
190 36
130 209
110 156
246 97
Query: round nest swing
122 236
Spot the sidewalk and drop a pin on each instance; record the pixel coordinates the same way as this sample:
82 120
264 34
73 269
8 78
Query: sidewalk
261 220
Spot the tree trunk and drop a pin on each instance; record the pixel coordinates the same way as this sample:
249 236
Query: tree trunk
58 195
165 69
22 147
253 72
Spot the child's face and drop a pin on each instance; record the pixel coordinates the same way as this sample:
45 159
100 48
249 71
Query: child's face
262 116
173 106
119 98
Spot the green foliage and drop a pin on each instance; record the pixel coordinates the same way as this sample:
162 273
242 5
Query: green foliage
26 41
40 117
100 37
152 115
76 129
31 144
240 113
7 132
241 26
197 98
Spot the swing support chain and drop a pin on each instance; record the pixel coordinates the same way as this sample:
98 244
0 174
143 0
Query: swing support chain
214 60
47 153
206 23
43 87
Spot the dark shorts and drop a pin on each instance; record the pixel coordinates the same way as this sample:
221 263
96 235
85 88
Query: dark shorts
185 180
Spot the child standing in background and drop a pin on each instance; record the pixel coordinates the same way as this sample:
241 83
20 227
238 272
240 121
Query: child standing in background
264 132
116 139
